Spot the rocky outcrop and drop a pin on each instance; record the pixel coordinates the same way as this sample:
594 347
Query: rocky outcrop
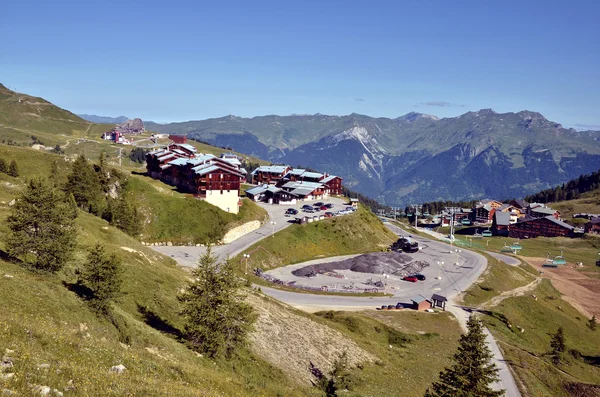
135 126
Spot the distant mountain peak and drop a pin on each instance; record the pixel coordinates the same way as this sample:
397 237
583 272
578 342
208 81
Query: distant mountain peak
412 116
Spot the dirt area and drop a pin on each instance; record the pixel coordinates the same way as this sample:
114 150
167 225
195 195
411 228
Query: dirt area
291 341
395 263
579 290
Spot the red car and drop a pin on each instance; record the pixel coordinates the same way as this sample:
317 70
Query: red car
412 279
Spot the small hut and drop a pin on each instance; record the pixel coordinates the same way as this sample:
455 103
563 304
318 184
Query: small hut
439 301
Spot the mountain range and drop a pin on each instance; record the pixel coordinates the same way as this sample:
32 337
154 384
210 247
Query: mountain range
103 119
415 157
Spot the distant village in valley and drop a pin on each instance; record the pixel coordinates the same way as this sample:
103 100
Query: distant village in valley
515 219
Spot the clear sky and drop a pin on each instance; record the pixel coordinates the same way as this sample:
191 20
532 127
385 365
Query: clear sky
181 60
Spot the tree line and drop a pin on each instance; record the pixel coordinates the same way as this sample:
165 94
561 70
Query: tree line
11 169
567 191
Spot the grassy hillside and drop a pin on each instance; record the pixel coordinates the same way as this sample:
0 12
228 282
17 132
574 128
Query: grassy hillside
497 278
527 351
588 202
356 233
180 218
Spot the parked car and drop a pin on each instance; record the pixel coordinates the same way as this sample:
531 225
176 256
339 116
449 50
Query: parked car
291 211
406 245
324 208
391 307
318 204
309 210
412 279
420 277
305 206
329 205
399 305
328 214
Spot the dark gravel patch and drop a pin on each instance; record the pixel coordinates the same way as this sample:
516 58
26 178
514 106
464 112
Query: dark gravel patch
395 263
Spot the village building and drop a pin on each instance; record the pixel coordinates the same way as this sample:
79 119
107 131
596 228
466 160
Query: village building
548 226
439 301
593 226
420 303
536 210
519 204
282 184
501 223
269 174
178 138
206 176
483 213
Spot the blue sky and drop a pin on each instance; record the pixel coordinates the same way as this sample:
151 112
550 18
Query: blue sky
182 60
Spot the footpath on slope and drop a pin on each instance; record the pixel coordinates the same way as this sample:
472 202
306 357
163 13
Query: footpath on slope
507 380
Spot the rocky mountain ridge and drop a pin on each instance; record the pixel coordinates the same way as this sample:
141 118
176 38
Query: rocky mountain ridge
415 157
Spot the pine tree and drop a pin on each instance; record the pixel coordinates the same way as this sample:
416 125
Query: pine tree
101 275
592 323
13 169
217 319
3 166
85 186
557 346
471 373
42 227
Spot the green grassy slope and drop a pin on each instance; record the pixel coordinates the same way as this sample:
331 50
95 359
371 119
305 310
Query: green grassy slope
527 351
44 322
355 233
180 218
588 202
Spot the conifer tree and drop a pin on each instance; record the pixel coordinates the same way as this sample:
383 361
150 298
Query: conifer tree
42 227
557 346
84 185
217 319
3 166
13 169
101 275
471 372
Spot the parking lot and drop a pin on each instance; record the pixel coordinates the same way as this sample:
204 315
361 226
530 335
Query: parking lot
326 208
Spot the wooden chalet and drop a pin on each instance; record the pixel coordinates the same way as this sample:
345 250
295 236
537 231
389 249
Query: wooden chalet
206 176
483 213
545 227
501 223
541 211
270 174
178 138
333 185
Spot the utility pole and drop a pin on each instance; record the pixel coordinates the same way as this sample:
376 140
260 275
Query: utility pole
273 223
246 256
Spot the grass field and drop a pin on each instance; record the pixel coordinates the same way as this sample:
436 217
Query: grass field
412 348
497 278
588 203
180 218
527 351
356 233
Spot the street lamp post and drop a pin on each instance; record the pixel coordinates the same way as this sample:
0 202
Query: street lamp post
440 264
246 256
273 223
457 253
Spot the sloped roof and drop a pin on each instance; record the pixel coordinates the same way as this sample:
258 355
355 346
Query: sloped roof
302 191
502 218
257 190
299 184
278 169
521 203
439 298
179 161
296 171
543 210
186 146
328 179
420 298
311 175
560 223
166 156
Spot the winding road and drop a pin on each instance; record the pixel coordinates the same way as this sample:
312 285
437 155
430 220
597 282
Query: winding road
453 280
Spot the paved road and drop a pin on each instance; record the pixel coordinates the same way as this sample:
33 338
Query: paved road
509 260
188 256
